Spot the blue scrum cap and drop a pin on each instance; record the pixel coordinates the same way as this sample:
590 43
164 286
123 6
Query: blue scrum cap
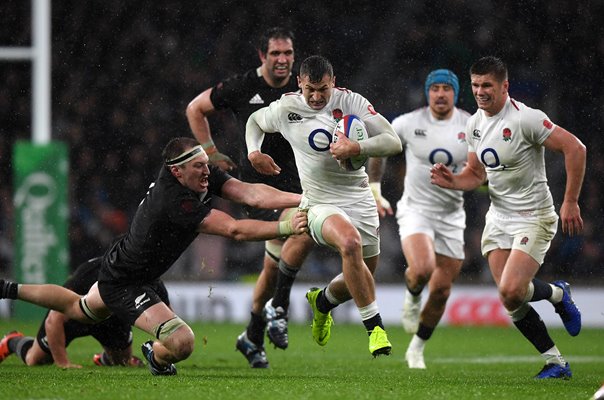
443 76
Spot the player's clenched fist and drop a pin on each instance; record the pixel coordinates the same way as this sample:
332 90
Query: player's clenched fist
263 163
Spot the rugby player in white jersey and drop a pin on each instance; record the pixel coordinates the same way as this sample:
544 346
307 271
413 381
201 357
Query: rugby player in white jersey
342 212
506 145
431 219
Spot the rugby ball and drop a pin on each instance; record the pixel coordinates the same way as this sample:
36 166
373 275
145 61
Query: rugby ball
354 129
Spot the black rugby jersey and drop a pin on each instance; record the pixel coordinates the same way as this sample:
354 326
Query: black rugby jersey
164 225
244 94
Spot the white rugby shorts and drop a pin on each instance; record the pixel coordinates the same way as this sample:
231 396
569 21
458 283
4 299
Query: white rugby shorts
531 233
365 219
445 229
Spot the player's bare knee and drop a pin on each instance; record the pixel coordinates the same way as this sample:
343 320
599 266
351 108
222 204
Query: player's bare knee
422 275
184 347
350 245
511 297
31 361
176 336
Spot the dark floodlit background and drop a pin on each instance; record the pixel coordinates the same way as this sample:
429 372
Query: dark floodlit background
123 73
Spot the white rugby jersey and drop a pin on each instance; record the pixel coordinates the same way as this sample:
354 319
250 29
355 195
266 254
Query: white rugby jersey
510 145
309 132
427 141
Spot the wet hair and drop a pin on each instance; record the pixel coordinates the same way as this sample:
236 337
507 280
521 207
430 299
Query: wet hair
176 147
275 32
316 67
490 65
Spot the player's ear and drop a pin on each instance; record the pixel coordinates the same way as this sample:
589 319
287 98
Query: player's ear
175 171
261 56
333 81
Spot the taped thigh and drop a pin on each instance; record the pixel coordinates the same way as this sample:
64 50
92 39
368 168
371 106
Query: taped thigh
317 216
165 329
273 250
88 311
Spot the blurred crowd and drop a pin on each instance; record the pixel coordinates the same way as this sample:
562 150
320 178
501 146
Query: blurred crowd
123 73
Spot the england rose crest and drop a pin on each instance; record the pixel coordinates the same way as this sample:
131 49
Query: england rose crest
337 114
507 134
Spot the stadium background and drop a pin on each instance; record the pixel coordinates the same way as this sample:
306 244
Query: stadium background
123 73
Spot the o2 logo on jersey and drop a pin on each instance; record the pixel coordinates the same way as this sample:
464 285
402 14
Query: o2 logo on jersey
441 156
490 158
319 140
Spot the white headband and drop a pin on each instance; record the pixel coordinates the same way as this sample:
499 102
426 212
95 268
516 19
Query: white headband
185 157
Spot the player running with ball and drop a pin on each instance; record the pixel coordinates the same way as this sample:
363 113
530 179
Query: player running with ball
342 212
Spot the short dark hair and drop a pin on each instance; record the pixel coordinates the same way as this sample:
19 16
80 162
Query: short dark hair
490 65
276 32
177 146
315 67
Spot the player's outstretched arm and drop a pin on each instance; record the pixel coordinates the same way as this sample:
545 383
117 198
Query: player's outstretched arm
258 195
197 111
221 224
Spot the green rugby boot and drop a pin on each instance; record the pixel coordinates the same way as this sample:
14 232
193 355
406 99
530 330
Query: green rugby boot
321 323
379 343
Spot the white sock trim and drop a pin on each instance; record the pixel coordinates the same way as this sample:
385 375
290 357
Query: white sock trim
369 311
417 343
330 297
553 356
557 294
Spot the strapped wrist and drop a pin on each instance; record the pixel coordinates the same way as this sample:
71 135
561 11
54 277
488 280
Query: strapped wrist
285 228
209 147
376 188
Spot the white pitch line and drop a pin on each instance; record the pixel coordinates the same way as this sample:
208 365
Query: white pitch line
510 359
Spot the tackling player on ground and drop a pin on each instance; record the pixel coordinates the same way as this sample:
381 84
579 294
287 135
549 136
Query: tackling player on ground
506 144
342 213
174 211
431 219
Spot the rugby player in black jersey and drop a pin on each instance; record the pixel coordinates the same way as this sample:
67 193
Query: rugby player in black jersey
244 94
57 331
174 211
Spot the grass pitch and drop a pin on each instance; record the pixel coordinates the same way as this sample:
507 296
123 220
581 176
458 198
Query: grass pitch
463 363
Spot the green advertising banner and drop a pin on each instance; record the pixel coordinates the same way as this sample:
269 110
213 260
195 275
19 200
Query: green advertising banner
41 218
